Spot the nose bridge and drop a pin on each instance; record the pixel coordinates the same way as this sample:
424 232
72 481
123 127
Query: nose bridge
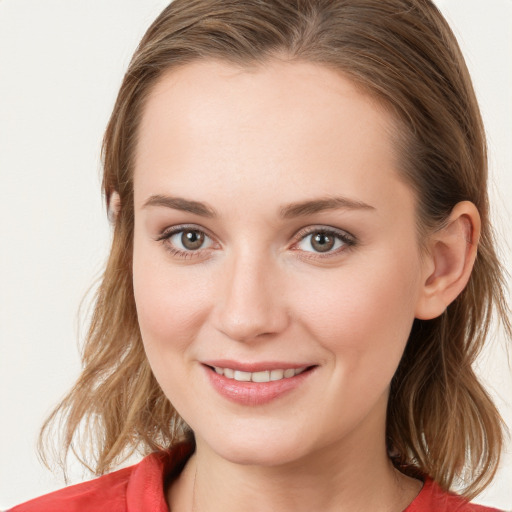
252 303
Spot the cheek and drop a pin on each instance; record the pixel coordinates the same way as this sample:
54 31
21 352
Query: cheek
171 305
364 313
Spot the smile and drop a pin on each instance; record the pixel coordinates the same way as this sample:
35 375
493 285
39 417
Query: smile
257 383
262 376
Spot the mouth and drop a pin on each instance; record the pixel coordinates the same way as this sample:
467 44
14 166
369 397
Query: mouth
259 376
256 384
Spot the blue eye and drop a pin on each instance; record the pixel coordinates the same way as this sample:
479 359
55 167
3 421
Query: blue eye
324 241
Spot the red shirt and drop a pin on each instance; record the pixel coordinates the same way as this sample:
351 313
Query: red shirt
140 488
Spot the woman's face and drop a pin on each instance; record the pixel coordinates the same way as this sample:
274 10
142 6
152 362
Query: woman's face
276 265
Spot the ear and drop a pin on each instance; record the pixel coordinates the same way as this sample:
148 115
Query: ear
450 258
113 206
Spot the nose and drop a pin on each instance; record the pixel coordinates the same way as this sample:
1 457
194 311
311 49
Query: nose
251 305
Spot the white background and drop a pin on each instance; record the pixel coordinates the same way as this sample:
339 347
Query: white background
61 63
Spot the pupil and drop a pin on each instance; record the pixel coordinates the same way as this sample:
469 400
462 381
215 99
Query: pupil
192 239
322 242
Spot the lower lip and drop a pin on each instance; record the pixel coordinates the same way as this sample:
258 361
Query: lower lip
254 393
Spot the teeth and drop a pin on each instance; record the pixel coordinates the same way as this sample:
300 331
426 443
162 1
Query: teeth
264 376
242 376
276 374
260 377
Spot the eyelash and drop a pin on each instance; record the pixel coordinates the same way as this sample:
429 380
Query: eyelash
346 238
168 233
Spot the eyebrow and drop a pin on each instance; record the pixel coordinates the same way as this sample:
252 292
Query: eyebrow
179 203
289 211
318 205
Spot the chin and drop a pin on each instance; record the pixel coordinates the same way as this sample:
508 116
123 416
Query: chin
258 455
258 448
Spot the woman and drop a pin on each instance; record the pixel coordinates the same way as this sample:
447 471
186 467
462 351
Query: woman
302 270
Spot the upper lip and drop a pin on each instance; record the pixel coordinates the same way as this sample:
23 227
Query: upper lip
252 367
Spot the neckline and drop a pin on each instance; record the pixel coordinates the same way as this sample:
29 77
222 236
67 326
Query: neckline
150 481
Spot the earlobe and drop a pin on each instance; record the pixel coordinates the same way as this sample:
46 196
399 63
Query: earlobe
451 256
113 206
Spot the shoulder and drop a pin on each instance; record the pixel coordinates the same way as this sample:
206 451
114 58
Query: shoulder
107 492
433 499
138 487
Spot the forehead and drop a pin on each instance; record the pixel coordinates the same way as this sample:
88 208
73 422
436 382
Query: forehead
277 123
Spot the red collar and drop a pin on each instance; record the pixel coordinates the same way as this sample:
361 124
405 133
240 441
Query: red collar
146 488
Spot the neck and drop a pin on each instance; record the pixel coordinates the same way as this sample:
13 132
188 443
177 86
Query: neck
344 477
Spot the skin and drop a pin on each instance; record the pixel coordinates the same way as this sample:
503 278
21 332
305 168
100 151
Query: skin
247 143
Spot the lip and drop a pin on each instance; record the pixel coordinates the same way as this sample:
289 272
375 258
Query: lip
254 393
256 366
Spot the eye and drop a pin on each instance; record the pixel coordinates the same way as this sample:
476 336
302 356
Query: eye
324 241
189 239
184 241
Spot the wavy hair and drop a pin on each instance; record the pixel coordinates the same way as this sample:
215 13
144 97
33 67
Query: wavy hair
441 422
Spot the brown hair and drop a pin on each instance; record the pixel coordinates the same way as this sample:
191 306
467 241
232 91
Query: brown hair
441 422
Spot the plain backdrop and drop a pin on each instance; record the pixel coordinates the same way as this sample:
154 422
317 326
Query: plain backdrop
61 63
